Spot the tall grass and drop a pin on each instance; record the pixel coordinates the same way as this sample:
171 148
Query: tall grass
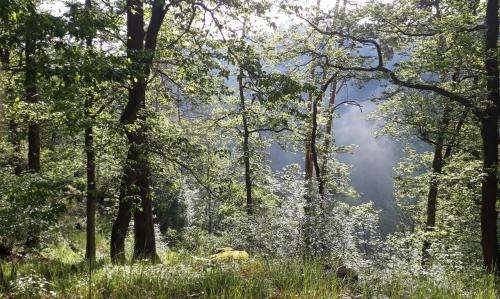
181 275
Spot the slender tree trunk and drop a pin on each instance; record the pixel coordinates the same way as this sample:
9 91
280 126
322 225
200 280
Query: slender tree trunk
430 223
308 169
437 167
90 249
489 134
246 146
15 140
308 164
314 150
30 84
314 133
328 129
32 98
437 163
209 212
331 103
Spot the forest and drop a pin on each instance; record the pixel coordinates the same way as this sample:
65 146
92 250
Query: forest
249 149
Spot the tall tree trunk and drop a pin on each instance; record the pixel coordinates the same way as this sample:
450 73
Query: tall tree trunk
30 84
314 150
246 146
136 184
437 162
430 223
32 98
308 161
328 128
315 128
437 167
144 236
489 241
335 89
122 221
15 140
489 134
308 169
90 249
136 179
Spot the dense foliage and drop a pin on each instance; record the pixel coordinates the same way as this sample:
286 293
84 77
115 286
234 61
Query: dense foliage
142 132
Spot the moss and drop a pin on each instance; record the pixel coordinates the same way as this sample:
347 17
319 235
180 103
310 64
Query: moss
229 254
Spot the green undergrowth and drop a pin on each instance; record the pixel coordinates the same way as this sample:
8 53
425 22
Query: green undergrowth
182 275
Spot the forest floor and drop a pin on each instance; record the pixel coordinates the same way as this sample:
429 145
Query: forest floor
62 273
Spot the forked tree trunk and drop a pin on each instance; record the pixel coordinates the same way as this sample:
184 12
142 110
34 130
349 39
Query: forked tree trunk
141 47
122 221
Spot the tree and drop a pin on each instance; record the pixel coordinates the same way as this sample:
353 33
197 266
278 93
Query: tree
141 47
272 93
90 249
487 110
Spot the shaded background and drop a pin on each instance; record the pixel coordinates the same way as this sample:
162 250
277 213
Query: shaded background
372 160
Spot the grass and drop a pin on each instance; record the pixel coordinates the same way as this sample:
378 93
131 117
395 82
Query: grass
180 276
183 276
62 273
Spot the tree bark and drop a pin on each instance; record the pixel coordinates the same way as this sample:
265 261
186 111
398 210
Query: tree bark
30 85
32 98
488 117
328 128
308 164
430 223
122 221
489 241
141 47
489 134
308 169
15 140
90 248
437 167
246 146
314 130
90 251
314 151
